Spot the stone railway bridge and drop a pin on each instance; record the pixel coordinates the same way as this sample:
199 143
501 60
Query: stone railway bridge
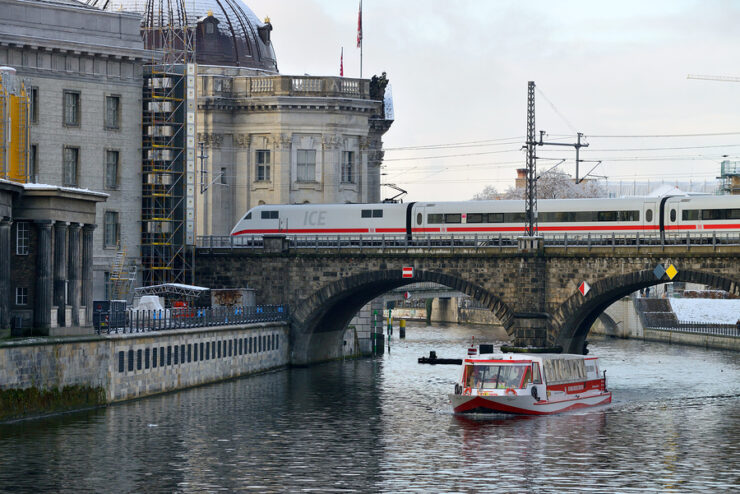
534 293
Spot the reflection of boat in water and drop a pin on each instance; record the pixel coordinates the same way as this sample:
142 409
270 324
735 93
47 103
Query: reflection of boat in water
533 384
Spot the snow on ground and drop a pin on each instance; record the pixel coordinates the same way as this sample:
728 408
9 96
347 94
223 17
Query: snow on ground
723 311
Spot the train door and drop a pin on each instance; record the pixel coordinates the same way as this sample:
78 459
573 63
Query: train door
418 220
650 223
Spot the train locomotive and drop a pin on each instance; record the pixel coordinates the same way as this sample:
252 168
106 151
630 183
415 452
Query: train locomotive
625 217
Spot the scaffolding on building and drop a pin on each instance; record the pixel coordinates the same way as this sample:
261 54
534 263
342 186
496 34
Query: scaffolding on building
122 277
730 177
14 127
168 153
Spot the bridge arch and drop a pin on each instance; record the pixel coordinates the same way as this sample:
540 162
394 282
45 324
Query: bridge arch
572 320
319 321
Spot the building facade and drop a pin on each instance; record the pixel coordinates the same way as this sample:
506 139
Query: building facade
83 71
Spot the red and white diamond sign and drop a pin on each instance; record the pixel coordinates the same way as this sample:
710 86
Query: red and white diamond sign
584 288
407 272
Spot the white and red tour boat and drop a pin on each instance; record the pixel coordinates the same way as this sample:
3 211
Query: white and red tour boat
533 384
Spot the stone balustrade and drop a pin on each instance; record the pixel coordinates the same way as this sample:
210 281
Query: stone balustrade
246 87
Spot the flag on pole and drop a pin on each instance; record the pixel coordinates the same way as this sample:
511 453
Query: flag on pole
341 64
359 27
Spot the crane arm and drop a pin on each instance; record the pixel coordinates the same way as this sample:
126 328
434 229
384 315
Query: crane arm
723 78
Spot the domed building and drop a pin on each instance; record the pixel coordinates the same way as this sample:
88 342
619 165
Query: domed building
259 137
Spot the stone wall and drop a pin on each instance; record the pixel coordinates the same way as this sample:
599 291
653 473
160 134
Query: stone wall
124 367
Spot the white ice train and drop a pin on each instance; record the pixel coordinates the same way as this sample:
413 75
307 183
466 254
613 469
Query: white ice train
624 216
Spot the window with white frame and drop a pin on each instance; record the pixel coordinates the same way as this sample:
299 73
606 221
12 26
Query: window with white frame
71 109
262 159
22 238
306 165
111 169
21 295
111 229
71 159
112 112
348 167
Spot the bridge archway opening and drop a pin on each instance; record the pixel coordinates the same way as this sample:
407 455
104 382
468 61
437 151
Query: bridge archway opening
318 325
577 316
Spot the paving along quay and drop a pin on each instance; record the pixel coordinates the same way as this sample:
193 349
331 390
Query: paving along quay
217 274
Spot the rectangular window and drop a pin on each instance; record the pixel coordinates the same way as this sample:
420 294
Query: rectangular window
367 213
161 356
34 102
169 355
146 358
33 163
138 359
435 219
22 238
262 160
154 358
277 342
208 351
70 164
250 345
71 109
240 346
495 218
110 229
453 218
190 352
182 354
513 217
111 169
306 165
218 345
130 360
195 352
230 348
690 215
348 167
201 351
112 112
121 365
177 355
222 177
21 295
474 218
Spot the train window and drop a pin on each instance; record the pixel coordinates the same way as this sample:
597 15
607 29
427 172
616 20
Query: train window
513 217
377 213
418 218
673 215
607 216
629 216
453 218
690 215
474 218
269 215
720 214
495 218
248 216
435 219
649 215
367 213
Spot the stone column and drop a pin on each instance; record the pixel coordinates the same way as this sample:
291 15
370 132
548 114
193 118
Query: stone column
5 254
87 271
75 276
44 291
60 270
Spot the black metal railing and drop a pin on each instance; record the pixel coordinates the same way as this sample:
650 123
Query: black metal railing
141 321
493 241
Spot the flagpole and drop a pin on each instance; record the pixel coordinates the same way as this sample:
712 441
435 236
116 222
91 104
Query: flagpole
359 35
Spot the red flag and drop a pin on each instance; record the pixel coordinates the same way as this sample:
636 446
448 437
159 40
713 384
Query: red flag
341 64
359 27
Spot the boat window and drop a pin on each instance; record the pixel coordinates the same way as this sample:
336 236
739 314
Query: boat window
649 215
418 218
592 371
527 378
562 370
248 216
496 376
269 215
537 377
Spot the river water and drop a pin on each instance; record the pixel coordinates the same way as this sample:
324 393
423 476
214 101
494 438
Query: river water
384 425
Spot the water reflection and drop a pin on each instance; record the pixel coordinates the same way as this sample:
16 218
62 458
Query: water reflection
384 425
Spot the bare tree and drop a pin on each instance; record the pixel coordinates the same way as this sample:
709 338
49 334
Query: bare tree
551 185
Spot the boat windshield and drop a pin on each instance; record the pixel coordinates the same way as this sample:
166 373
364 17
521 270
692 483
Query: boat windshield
497 376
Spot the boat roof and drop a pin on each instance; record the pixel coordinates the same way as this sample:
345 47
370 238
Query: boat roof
539 357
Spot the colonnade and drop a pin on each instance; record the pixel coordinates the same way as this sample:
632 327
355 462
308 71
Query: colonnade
64 272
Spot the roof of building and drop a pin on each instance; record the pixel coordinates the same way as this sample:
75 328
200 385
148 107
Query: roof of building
228 33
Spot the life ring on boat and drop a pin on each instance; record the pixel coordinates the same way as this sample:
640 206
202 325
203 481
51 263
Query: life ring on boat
510 391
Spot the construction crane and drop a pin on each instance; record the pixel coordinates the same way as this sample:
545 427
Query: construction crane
723 78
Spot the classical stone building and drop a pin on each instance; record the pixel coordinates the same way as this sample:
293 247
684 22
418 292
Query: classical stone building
83 70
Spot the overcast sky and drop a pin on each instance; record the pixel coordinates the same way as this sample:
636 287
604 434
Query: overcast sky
459 73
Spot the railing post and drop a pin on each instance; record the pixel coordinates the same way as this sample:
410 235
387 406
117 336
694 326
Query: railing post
589 241
565 241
